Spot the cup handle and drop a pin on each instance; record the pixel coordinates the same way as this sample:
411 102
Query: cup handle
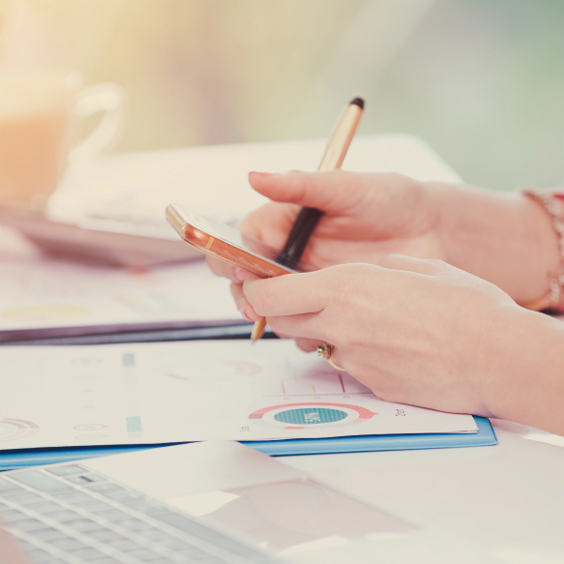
104 97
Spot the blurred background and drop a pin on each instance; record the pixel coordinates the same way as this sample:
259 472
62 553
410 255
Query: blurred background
481 80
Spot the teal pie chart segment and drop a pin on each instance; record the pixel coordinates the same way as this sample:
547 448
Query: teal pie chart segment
310 416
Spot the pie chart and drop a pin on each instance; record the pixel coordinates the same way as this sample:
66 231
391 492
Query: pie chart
312 414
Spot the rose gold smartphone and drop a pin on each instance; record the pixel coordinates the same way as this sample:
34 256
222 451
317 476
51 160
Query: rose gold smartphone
228 244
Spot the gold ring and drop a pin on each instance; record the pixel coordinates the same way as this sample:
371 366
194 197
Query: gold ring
326 351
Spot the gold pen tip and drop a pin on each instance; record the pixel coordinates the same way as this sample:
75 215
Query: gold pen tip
358 102
258 330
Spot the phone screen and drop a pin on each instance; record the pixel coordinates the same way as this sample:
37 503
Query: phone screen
204 233
232 236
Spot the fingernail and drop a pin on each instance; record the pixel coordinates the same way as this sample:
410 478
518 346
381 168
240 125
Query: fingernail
264 174
241 274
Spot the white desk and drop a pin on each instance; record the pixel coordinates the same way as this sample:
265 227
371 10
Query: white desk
509 498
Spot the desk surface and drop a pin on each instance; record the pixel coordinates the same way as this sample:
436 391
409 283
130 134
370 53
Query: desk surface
509 498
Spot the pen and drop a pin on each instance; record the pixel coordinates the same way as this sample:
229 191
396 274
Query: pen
308 218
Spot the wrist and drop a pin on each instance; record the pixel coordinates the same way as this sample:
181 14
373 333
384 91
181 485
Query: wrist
523 369
504 238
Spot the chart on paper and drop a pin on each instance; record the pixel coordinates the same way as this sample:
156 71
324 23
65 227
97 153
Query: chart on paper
189 391
320 383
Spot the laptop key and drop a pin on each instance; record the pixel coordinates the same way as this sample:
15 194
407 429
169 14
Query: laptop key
94 506
84 525
44 507
123 497
49 534
13 515
174 544
66 470
104 535
123 544
87 554
39 555
113 515
104 487
132 524
40 481
73 496
146 507
7 486
84 479
156 535
27 524
64 516
194 553
144 554
68 543
23 497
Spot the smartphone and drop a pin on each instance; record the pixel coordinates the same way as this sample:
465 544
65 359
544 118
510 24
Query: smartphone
228 244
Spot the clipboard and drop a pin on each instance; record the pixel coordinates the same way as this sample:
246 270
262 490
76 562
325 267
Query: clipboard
20 458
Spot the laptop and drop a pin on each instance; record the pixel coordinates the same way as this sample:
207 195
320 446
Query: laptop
216 502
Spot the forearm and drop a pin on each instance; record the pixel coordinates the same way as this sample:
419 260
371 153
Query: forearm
506 239
526 380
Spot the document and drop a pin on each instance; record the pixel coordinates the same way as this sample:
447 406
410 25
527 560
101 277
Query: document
40 296
191 391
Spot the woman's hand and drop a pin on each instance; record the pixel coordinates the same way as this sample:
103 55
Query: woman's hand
422 332
366 216
415 331
503 238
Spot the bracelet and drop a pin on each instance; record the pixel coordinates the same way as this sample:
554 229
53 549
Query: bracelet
551 206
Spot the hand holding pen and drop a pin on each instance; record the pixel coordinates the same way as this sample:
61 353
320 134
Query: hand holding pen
308 217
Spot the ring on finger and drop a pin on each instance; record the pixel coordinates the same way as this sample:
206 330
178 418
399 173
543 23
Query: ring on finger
326 351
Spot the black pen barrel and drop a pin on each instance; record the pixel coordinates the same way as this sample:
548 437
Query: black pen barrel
303 227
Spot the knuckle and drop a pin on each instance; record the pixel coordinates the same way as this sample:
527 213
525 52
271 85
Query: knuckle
438 265
261 300
343 285
272 322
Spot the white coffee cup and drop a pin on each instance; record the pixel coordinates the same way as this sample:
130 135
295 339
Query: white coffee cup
39 120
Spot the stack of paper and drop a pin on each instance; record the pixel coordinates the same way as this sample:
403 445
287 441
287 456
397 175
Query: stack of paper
42 297
169 392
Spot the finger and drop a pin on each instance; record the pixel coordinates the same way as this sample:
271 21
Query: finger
290 294
308 345
321 190
242 304
311 345
428 267
385 197
304 326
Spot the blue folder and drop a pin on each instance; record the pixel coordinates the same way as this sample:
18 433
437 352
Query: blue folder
11 459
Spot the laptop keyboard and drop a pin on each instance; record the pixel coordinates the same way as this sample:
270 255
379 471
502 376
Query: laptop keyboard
68 514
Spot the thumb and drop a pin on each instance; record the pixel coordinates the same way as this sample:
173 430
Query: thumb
335 191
